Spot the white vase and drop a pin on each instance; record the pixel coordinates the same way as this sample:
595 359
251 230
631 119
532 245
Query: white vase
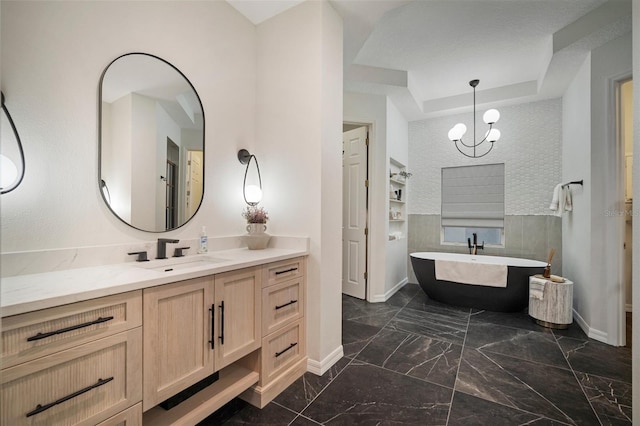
256 238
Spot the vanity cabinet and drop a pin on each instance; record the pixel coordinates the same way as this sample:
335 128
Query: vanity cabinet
192 329
178 328
282 357
112 360
77 367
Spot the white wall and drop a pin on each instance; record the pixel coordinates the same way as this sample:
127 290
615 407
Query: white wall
530 148
576 136
298 143
608 62
53 54
595 231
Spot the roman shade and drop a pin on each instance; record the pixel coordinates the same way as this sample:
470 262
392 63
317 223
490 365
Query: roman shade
473 196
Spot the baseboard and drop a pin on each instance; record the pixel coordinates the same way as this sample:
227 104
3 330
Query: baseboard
592 333
393 290
320 367
627 308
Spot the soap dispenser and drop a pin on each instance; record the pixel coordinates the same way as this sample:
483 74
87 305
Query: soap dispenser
203 241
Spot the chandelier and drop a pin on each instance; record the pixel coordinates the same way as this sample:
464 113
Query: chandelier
490 117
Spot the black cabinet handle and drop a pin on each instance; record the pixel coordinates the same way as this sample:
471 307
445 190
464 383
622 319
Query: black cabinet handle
286 304
221 337
67 329
286 270
285 350
213 325
40 408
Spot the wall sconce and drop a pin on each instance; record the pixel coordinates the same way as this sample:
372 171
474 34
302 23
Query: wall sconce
10 179
252 193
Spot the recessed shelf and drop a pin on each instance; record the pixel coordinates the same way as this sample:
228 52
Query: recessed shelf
396 201
233 381
399 182
396 220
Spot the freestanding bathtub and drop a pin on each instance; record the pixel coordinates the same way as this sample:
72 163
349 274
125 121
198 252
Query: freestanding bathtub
512 298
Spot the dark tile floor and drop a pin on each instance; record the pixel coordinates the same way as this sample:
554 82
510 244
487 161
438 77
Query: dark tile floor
415 361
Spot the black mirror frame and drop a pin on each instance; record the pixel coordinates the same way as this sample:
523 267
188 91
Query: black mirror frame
102 184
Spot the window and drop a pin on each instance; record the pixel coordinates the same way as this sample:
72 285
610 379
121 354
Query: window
473 202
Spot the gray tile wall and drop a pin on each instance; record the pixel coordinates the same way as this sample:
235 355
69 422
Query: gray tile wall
528 237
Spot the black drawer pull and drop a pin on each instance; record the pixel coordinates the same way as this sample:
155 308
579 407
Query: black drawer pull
221 337
64 330
286 270
286 304
40 408
213 325
285 350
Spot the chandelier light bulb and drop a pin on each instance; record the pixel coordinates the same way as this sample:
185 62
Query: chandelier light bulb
491 116
493 135
454 134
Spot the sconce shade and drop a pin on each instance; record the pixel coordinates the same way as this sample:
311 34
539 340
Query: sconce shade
11 176
253 194
9 172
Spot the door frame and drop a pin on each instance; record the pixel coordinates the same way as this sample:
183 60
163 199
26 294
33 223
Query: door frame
369 126
617 328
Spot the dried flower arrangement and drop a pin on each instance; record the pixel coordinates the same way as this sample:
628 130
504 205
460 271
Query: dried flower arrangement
405 174
255 214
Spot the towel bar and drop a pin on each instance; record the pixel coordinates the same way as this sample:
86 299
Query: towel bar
575 182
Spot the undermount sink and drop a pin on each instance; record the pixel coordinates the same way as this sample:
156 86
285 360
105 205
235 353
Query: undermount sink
178 264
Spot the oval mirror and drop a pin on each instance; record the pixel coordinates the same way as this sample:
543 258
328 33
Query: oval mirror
151 143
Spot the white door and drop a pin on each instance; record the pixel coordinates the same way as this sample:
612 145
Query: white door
354 213
194 182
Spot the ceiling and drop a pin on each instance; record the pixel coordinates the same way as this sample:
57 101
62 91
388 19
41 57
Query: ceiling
423 53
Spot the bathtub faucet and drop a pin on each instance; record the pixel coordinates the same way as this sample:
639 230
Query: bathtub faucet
473 249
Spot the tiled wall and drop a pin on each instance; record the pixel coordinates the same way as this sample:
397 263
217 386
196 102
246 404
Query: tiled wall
528 237
530 148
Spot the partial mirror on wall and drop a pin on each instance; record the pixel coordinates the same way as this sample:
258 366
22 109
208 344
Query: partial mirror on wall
12 164
151 143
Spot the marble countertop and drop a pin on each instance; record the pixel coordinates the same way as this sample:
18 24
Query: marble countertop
26 293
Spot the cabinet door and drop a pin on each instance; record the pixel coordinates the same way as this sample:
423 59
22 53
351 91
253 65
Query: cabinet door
177 337
238 312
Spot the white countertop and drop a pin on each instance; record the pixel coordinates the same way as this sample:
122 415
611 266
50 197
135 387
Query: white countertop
26 293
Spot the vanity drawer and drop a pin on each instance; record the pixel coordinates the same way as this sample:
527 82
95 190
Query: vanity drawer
282 304
281 350
35 334
278 272
129 417
80 386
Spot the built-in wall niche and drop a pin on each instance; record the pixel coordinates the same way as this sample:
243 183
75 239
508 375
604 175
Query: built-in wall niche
397 200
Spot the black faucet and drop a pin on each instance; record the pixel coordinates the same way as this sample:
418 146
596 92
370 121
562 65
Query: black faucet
475 244
162 247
